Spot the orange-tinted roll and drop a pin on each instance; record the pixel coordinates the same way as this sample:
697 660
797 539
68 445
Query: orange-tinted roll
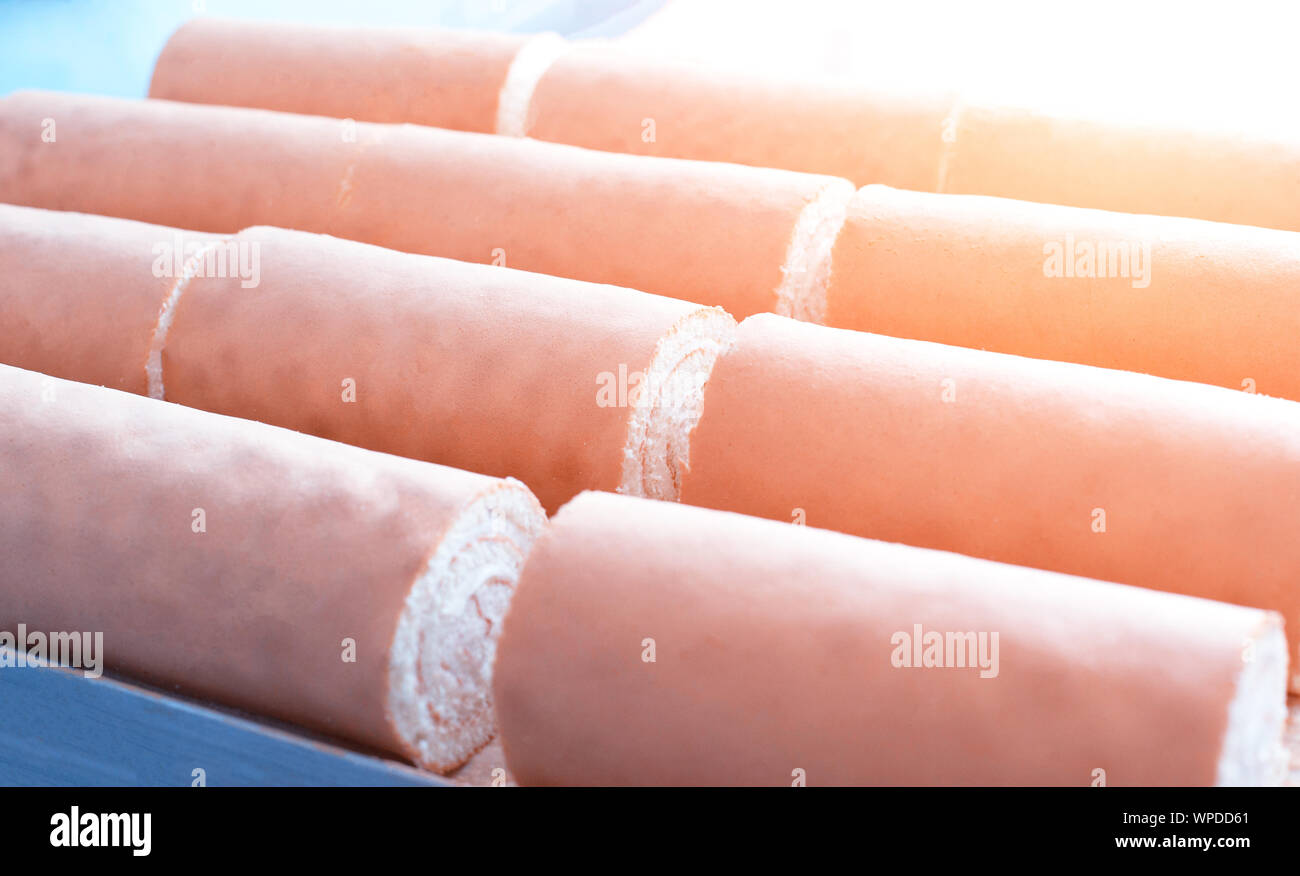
651 643
81 294
1226 176
612 99
488 369
628 99
444 78
1181 298
354 592
746 239
1164 484
594 95
562 384
605 97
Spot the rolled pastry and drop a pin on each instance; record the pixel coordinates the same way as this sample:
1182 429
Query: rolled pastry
81 294
1123 477
603 96
354 592
656 644
443 78
1181 298
1224 176
565 385
597 95
749 240
626 98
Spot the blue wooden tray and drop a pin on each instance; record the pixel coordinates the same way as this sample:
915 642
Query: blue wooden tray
58 727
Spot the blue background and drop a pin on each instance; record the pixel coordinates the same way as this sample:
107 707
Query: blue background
109 46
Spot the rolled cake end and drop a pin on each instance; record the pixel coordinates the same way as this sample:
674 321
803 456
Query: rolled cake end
668 401
530 64
440 664
807 269
1253 751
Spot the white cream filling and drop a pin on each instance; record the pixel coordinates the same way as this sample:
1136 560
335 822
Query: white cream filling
440 663
668 402
948 136
530 64
807 268
1253 752
153 365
